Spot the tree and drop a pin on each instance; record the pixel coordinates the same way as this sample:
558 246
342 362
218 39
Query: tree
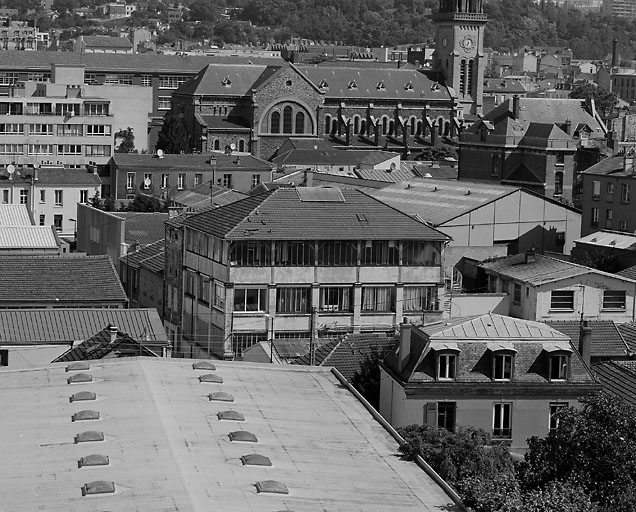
127 144
603 99
173 137
367 378
593 448
144 203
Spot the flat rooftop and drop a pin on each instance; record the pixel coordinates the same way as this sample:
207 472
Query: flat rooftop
168 449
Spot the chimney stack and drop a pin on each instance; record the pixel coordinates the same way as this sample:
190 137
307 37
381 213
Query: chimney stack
568 127
113 333
585 342
405 344
515 106
530 255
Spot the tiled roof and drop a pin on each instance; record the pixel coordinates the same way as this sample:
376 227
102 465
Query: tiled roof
438 201
618 378
134 258
155 263
199 197
110 62
385 83
543 269
629 273
132 162
475 337
610 240
607 340
282 214
224 79
35 326
28 237
15 215
59 279
106 42
52 176
349 352
100 345
628 332
143 228
504 86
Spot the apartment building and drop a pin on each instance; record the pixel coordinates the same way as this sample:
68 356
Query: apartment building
299 263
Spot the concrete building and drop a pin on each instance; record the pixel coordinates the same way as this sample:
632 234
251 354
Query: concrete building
17 35
540 144
504 375
141 274
336 261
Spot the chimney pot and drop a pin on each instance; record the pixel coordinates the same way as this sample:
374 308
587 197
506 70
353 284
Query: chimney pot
585 342
113 333
405 344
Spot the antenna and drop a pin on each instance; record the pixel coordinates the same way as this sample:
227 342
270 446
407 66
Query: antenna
160 153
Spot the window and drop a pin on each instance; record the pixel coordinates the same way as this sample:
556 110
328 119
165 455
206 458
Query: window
69 130
614 299
625 193
59 196
502 420
622 225
379 252
130 180
446 415
181 181
300 122
43 196
8 78
555 409
42 219
337 253
163 103
274 123
287 119
90 78
11 129
11 149
420 298
57 222
559 366
83 196
378 298
97 150
198 179
596 190
147 180
558 183
336 298
562 299
250 299
293 300
24 196
67 110
560 159
69 149
96 109
610 192
5 197
250 254
502 366
4 357
98 130
40 129
165 180
289 252
218 295
516 293
146 80
446 366
171 82
227 180
256 180
608 218
594 220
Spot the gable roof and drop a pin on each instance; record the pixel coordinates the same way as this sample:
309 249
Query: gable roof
618 378
191 162
59 279
310 213
102 345
613 166
52 176
135 258
143 228
107 42
628 332
28 237
63 326
15 215
523 174
542 270
308 157
169 446
607 340
225 80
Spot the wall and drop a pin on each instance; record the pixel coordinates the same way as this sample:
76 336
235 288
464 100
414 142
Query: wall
99 232
467 304
33 356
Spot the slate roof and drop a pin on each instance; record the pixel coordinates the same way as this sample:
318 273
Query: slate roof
607 340
628 332
143 228
100 346
134 258
474 337
438 201
199 197
618 378
503 86
543 269
59 279
223 123
112 62
28 237
125 161
612 166
224 80
15 215
107 42
325 213
367 79
53 176
629 272
46 326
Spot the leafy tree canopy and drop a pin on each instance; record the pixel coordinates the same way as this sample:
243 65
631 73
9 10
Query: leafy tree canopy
127 144
173 137
603 99
144 203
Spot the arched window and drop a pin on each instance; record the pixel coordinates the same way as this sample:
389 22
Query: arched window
300 122
217 144
419 128
413 125
334 126
471 70
356 125
447 128
327 123
558 183
241 146
440 126
462 77
363 127
385 125
275 123
392 127
287 119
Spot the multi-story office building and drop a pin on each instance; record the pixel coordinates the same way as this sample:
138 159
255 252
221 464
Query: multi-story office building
298 263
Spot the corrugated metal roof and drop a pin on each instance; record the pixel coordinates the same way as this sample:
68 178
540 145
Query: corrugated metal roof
27 237
610 239
14 215
41 326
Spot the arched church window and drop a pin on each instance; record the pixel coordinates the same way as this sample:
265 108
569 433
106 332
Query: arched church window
327 123
462 77
469 84
275 123
300 122
287 119
356 125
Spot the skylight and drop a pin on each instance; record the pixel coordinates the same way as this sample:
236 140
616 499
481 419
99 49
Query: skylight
83 395
98 487
85 415
226 81
93 460
243 436
380 86
78 365
79 377
352 85
203 365
211 377
220 396
254 459
230 415
272 486
89 436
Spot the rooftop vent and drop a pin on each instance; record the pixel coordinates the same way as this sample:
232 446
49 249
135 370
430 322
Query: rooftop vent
93 460
231 415
220 396
211 377
83 395
352 85
203 365
408 86
226 81
77 366
254 459
380 86
79 377
434 86
89 436
98 487
243 436
323 84
272 486
85 415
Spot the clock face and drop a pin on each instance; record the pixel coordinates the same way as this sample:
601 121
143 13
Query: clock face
467 43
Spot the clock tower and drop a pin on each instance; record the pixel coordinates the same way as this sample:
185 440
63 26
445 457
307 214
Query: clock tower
459 50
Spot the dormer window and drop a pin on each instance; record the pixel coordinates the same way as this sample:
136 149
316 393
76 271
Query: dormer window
503 359
323 84
380 86
226 81
446 366
559 364
408 86
352 85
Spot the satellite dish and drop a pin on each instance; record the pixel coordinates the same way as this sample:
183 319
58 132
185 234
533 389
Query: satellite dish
10 168
147 182
160 153
232 146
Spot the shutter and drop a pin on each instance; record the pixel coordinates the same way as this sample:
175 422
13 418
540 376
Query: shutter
430 414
